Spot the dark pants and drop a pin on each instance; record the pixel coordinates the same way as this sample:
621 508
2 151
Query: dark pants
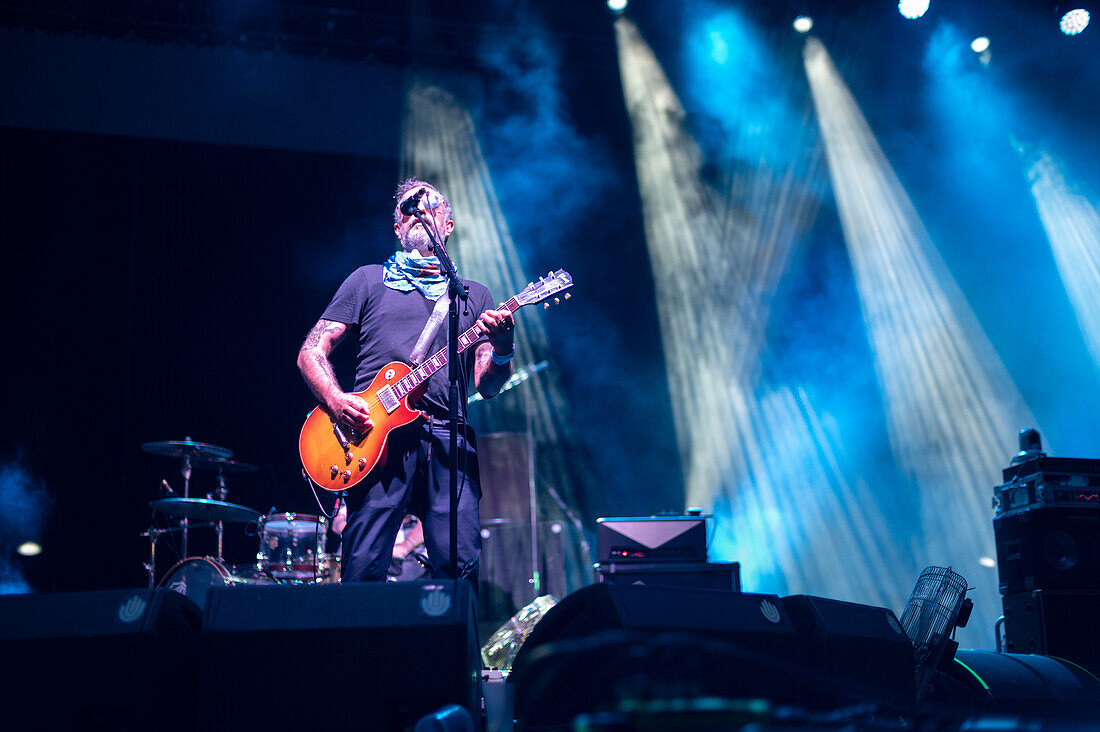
416 480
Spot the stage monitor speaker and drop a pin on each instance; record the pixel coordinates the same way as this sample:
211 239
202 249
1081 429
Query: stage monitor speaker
852 652
1049 548
356 656
1062 624
121 659
607 642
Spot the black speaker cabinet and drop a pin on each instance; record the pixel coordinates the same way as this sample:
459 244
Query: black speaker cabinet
852 652
607 642
122 660
1049 548
356 656
1062 624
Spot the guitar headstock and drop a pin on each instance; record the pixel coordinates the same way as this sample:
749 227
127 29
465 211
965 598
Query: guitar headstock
545 288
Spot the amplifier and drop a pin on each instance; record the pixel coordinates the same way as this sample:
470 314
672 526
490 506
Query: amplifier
1059 624
652 539
1047 481
699 575
1048 548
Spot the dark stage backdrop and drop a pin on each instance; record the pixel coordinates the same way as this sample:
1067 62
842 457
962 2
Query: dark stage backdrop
157 290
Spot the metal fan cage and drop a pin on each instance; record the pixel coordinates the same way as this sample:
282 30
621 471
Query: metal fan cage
933 608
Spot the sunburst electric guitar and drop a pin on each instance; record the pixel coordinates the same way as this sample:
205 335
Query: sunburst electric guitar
337 458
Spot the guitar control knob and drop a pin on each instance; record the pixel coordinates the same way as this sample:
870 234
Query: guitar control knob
348 456
346 474
334 470
362 463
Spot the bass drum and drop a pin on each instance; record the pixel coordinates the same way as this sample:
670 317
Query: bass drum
194 577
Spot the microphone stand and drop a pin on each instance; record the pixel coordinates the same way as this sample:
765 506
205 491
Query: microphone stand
457 290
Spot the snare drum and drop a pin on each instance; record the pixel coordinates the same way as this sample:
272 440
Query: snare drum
292 546
194 577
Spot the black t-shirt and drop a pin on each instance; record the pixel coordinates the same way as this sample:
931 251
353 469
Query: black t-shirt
391 321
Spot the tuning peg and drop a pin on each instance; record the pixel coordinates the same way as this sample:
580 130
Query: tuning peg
546 306
557 301
567 296
550 273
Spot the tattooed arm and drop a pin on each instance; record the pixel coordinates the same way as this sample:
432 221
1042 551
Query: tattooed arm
498 326
317 370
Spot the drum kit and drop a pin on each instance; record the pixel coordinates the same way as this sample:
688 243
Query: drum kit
291 545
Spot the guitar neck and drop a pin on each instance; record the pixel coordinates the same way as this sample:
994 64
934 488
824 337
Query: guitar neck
423 372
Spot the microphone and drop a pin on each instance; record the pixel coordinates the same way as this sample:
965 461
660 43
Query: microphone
412 203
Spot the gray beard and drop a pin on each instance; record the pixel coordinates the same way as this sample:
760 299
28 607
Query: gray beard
416 239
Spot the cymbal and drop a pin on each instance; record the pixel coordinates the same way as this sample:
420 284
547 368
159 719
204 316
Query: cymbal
224 465
205 509
186 449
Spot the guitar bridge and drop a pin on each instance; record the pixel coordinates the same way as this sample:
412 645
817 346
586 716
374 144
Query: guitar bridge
388 399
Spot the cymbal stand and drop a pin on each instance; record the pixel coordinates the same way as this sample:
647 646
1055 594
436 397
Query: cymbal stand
220 493
536 579
185 471
153 534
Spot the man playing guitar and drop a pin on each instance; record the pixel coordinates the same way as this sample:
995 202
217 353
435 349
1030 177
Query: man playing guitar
393 308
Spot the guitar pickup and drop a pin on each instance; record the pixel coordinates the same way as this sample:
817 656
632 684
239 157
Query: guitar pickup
388 399
340 437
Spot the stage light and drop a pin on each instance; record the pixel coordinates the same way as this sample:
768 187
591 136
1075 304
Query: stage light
756 454
912 9
29 549
979 44
1074 21
719 48
951 406
803 23
616 6
1072 225
988 562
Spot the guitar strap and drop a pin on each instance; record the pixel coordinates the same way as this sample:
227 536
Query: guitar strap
431 328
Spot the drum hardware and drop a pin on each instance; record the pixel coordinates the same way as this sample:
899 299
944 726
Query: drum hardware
194 577
206 509
221 492
187 450
214 510
213 514
292 547
153 534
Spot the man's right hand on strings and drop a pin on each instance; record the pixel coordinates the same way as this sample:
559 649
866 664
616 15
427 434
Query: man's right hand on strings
350 410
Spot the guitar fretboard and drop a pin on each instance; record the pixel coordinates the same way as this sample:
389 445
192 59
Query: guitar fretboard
437 361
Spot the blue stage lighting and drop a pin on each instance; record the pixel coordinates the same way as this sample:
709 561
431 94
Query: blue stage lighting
979 44
617 6
912 9
1074 21
803 23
